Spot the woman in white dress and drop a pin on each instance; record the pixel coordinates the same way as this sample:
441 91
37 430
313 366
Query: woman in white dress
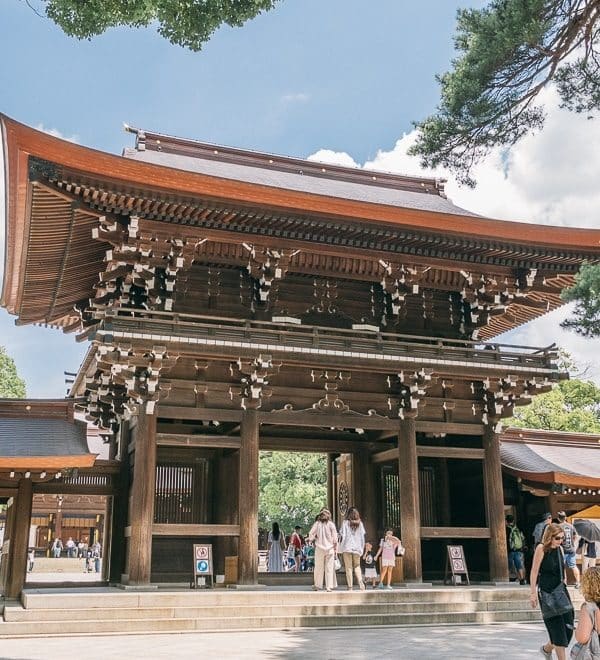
325 537
275 547
352 546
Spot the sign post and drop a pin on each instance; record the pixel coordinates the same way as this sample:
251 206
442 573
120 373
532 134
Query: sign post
456 565
203 565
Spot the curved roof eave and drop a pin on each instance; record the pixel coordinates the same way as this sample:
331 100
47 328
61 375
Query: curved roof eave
28 141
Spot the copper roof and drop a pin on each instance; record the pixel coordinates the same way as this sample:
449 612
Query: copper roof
552 457
420 193
344 220
42 435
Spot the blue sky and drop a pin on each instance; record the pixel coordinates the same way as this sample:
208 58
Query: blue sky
344 75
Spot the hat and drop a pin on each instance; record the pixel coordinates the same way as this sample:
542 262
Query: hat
546 516
561 514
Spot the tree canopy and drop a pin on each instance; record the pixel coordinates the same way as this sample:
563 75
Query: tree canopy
508 52
292 487
586 294
11 385
187 23
574 405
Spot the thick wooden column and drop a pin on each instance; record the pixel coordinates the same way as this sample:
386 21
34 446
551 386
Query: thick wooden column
19 540
141 502
363 477
117 551
331 489
248 499
494 505
410 515
226 491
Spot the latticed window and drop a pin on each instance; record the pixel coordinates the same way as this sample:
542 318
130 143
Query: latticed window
181 493
391 497
427 496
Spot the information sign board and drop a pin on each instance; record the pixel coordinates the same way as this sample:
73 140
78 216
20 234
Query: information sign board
203 564
456 564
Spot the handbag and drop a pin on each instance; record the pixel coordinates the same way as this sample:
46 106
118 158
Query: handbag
555 602
337 564
400 550
589 650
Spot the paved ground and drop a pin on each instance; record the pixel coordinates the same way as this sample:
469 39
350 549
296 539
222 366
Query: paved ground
514 641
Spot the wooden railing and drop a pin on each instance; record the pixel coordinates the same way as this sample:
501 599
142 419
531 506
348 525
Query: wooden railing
320 337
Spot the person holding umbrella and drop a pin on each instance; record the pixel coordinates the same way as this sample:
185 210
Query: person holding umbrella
590 533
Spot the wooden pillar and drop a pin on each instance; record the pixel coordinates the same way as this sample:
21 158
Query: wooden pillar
141 504
118 520
494 505
225 500
19 540
367 502
331 489
444 493
410 516
248 499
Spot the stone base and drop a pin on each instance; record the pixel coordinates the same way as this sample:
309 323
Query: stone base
136 587
247 587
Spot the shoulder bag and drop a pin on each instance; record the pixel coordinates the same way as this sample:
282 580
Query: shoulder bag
591 649
556 602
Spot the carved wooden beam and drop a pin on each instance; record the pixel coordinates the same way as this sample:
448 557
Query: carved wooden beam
141 268
407 392
267 266
125 378
498 397
254 379
331 380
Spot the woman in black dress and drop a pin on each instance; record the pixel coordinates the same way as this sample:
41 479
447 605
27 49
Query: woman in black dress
547 574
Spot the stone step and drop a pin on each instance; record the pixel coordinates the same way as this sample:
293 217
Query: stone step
299 608
48 599
162 625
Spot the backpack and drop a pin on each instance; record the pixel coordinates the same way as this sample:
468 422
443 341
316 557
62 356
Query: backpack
591 649
516 540
567 543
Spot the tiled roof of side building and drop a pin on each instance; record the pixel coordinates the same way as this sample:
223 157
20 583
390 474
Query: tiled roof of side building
42 437
294 174
540 458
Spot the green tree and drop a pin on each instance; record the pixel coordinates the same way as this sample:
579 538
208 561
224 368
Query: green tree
574 405
11 385
586 294
292 487
187 23
507 53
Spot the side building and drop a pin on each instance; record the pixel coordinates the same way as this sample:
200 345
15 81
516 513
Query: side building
236 301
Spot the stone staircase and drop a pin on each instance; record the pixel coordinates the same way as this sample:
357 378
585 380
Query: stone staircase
99 611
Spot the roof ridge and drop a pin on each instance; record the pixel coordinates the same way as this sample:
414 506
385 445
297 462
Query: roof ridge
153 141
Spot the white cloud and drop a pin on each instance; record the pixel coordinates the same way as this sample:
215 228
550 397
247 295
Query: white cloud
549 178
295 97
333 158
57 134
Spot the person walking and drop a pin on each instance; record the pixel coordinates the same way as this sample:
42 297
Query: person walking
589 555
549 589
369 564
296 541
588 623
96 555
30 559
352 545
538 530
569 545
515 541
275 548
325 537
387 552
57 547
